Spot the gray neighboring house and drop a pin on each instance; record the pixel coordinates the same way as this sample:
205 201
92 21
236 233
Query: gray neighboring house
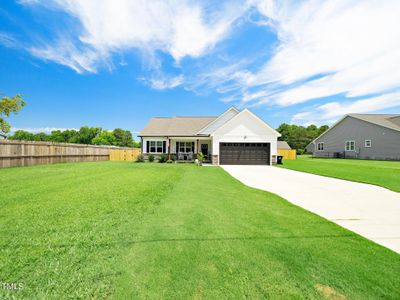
364 136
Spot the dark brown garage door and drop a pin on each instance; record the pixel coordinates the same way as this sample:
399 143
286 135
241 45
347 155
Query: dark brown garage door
244 153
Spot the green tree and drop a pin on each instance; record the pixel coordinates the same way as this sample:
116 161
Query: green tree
322 129
104 138
7 106
298 137
70 135
22 135
123 137
137 144
57 136
85 135
41 136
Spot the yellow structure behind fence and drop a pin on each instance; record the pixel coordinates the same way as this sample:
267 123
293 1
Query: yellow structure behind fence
119 154
287 154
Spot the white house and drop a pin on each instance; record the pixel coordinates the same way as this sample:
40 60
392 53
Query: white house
234 137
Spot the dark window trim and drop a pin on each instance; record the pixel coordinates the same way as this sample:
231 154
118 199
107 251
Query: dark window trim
156 148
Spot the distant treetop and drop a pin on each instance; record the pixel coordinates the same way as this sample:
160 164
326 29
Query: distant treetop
85 135
298 137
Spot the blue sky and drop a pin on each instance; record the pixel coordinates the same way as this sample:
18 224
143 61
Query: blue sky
117 63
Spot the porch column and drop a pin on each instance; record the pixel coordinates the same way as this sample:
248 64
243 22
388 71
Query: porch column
169 149
198 146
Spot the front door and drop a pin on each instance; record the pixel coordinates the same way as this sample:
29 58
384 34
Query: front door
204 149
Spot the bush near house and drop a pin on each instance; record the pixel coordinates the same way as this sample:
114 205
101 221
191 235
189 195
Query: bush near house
151 158
140 158
162 159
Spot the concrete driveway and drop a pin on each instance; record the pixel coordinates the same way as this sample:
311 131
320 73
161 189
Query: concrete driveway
368 210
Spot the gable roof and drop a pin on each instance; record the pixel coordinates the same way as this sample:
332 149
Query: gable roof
175 126
194 126
385 120
283 145
261 121
208 128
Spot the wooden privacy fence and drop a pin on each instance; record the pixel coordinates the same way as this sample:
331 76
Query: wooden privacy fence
27 153
124 154
287 154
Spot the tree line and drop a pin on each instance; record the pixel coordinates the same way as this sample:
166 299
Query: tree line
85 135
298 137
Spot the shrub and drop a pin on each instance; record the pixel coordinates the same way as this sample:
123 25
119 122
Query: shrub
169 161
200 158
151 158
300 151
140 158
163 158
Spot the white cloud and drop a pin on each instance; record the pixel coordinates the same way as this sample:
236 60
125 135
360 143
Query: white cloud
179 28
331 111
66 53
41 129
164 82
352 46
325 48
7 40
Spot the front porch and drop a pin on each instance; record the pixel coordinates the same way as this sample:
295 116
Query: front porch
186 149
183 149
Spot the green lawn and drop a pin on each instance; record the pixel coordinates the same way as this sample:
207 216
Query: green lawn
382 173
126 230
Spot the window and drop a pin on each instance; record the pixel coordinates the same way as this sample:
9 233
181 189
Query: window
367 144
185 147
156 146
350 146
320 146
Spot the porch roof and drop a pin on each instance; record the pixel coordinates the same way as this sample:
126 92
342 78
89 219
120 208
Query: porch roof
176 126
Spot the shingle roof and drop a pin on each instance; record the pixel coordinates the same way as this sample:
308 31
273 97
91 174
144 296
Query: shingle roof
391 121
176 126
283 145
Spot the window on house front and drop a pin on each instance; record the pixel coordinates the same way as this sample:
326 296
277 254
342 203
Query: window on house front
185 147
350 145
368 144
156 146
320 146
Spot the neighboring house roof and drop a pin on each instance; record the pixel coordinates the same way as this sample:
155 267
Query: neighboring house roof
391 121
283 145
175 126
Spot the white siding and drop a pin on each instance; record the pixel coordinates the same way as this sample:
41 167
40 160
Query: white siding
245 128
221 120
